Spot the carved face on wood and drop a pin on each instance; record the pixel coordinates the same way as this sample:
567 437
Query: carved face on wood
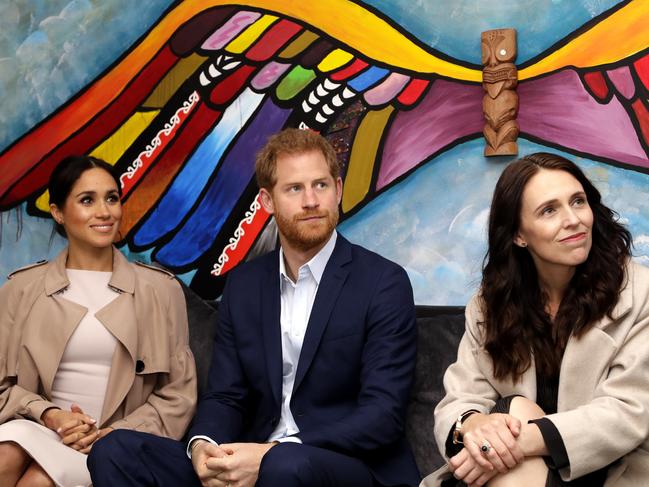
498 46
499 80
498 55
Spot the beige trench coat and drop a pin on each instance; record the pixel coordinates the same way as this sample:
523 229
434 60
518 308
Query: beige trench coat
152 381
603 404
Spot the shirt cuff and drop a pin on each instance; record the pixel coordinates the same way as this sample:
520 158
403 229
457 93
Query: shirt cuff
198 437
289 439
554 443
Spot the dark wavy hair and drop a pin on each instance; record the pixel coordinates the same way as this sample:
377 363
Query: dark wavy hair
68 172
517 325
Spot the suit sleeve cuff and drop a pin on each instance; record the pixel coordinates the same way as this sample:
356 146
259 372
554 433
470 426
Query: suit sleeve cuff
195 438
289 439
554 443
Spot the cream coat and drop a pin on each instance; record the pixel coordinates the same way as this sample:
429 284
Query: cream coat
152 382
603 404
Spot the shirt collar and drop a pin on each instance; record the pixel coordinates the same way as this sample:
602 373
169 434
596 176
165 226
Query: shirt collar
317 263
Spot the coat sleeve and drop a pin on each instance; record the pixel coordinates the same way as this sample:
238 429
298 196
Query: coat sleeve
466 381
387 370
169 408
15 401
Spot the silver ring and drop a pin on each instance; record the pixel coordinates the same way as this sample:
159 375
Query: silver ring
485 447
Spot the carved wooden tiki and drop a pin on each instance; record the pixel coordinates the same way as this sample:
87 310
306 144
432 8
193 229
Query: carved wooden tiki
500 102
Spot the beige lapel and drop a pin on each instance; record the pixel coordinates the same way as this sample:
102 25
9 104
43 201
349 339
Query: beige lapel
586 360
119 318
52 309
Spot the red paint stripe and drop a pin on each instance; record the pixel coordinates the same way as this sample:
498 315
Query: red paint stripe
355 67
224 91
413 91
34 178
275 38
597 84
251 231
161 174
146 160
642 68
643 118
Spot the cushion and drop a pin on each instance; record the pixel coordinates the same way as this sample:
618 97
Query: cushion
439 332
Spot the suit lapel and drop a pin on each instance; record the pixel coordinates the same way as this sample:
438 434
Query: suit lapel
270 325
331 285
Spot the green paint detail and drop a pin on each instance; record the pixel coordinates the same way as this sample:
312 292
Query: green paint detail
294 82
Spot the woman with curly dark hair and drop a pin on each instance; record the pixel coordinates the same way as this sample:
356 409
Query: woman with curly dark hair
551 383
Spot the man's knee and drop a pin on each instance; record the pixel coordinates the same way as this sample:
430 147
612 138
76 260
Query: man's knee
113 447
285 464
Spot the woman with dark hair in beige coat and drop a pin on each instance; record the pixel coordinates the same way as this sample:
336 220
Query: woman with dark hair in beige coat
551 382
88 342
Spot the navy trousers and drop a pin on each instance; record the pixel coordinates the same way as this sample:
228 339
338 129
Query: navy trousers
130 458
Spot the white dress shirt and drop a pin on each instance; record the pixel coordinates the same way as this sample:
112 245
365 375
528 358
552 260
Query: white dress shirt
296 302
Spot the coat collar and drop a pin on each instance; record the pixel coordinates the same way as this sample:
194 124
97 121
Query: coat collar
122 279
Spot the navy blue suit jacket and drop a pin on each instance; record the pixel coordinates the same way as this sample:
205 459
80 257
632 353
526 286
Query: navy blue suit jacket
355 369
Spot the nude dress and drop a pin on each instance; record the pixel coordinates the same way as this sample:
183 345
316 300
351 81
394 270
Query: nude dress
82 378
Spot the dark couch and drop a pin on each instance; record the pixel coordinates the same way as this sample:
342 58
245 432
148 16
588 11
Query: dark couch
440 329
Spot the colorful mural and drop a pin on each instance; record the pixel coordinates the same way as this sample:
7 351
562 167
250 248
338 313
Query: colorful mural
183 110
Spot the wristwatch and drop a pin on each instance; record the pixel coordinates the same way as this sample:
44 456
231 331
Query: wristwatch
457 431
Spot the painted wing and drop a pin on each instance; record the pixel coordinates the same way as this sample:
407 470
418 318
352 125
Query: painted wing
186 109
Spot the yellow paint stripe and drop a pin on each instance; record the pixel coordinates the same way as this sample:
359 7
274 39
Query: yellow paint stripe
304 40
168 86
43 202
619 36
111 149
250 35
334 60
361 162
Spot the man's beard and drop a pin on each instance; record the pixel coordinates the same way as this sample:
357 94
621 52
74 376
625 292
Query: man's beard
302 235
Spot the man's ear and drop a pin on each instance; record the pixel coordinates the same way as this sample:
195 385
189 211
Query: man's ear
267 201
339 189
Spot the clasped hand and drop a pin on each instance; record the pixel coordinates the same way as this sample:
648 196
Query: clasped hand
76 429
475 467
228 465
